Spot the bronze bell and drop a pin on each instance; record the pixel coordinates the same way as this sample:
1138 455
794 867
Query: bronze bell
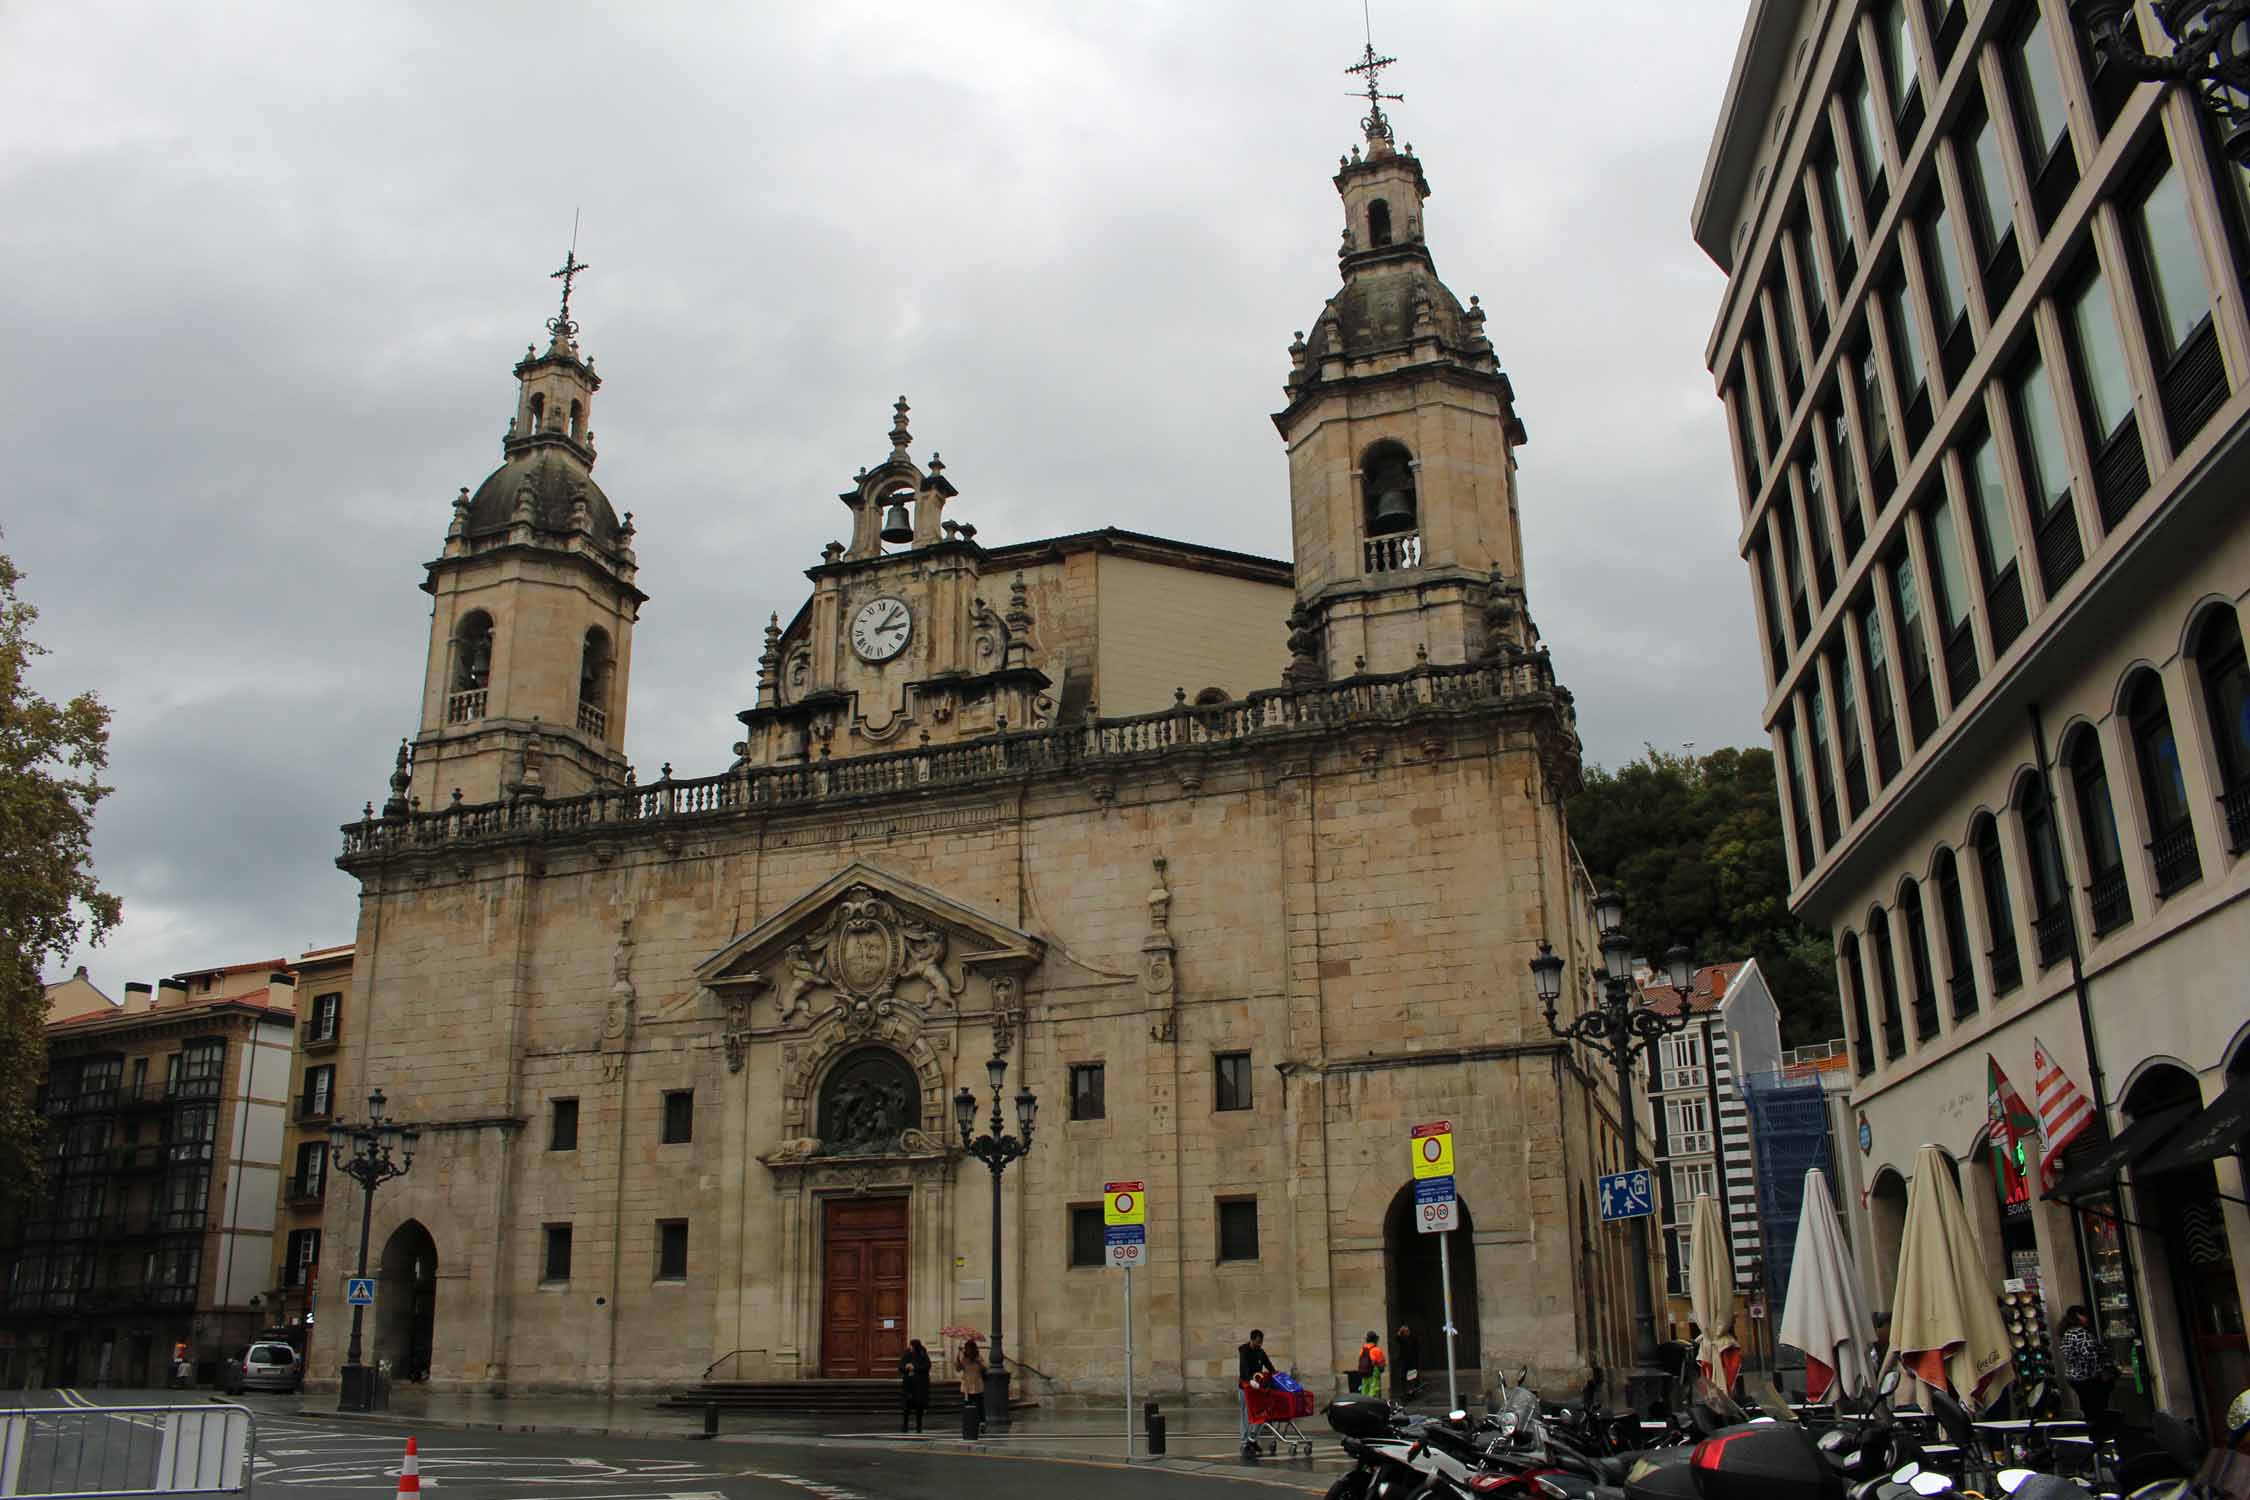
1394 511
896 526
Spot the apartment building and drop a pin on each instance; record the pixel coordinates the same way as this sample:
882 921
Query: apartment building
323 980
1985 362
164 1120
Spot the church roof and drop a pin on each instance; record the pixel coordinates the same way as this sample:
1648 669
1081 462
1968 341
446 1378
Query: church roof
1376 309
556 478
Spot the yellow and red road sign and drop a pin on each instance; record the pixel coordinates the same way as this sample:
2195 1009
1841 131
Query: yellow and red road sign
1433 1149
1124 1203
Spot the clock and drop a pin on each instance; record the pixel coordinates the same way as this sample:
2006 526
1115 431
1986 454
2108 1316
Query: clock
881 627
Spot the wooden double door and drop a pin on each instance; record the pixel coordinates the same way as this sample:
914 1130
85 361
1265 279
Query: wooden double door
863 1291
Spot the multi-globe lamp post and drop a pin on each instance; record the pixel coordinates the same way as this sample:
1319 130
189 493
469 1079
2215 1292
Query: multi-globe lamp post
2210 52
996 1149
1614 1026
370 1155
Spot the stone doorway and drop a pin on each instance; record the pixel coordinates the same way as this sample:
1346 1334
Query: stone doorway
406 1302
863 1287
1414 1290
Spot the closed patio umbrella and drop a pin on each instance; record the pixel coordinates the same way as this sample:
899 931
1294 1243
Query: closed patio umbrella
1945 1315
1711 1291
1825 1313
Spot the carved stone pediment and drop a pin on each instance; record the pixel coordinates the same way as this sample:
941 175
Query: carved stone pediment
865 955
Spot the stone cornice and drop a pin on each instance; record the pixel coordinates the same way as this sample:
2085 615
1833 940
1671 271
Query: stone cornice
1287 721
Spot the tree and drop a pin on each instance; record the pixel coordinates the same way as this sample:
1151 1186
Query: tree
1694 845
51 759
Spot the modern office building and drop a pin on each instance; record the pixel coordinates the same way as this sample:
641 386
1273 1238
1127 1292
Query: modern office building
1986 365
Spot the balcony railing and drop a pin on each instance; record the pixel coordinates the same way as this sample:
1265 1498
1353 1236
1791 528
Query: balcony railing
318 1033
1921 707
189 1090
1394 554
2007 969
2235 804
1684 1078
1961 660
307 1189
1963 987
2174 854
592 720
1886 748
181 1220
1925 1011
2112 900
314 1106
2005 610
1689 1143
464 708
2052 927
179 1152
2060 551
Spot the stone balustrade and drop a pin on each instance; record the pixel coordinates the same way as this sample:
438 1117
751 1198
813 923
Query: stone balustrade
1371 701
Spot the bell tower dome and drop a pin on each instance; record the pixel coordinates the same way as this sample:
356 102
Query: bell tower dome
1401 430
533 603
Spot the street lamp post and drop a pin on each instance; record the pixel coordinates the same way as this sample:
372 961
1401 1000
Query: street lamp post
370 1155
1624 1031
2210 51
996 1150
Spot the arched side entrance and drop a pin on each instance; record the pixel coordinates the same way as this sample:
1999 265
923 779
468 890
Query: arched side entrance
1413 1291
2191 1252
1886 1224
406 1301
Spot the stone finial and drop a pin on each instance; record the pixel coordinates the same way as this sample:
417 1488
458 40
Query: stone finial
831 552
949 528
901 437
1297 349
937 464
456 796
666 771
402 776
1019 605
968 532
367 812
1179 697
1304 669
1160 898
625 531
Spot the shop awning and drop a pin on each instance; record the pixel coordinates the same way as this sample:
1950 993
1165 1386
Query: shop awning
2092 1171
2218 1129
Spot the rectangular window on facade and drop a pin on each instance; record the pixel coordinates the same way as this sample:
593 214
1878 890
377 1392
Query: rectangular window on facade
1847 730
1995 535
671 1249
1949 299
1874 420
1949 595
301 1258
562 1125
1232 1072
1828 186
1984 179
1816 523
2175 302
1800 814
1746 433
318 1098
1913 648
1908 363
1785 344
1895 35
1812 280
2046 473
1882 712
311 1179
1793 566
2105 396
1238 1229
1777 638
2035 94
1758 379
1867 144
679 1116
1824 785
556 1266
1849 512
326 1019
1087 1244
1086 1102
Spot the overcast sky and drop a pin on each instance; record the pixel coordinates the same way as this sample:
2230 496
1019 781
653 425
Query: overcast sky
264 268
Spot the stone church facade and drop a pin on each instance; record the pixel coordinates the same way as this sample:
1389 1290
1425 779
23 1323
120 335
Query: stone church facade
1239 865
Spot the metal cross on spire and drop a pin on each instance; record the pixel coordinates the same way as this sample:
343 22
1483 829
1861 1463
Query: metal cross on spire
1371 65
560 325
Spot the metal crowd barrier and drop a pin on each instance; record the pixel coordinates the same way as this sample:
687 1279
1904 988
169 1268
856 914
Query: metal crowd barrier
118 1452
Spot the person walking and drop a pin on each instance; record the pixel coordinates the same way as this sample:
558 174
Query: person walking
1406 1352
1250 1362
971 1365
2086 1366
913 1385
1371 1365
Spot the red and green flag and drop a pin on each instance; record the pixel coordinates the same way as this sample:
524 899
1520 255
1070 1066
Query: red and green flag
2009 1121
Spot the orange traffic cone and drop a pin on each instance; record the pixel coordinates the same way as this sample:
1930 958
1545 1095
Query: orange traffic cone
410 1472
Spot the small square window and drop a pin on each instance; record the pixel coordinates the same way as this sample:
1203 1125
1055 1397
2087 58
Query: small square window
1088 1245
679 1116
1086 1101
1232 1070
671 1250
563 1132
557 1267
1238 1229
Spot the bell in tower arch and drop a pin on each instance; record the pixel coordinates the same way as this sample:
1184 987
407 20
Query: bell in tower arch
897 525
1390 490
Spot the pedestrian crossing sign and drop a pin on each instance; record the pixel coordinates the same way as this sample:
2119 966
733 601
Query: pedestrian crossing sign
1433 1149
359 1291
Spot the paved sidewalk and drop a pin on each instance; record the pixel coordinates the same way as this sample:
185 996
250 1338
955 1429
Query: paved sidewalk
1200 1437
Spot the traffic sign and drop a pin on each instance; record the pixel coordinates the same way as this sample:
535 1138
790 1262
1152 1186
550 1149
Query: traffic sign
1126 1244
359 1291
1124 1203
1435 1205
1627 1195
1433 1149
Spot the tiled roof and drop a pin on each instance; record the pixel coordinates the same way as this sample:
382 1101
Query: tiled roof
1705 990
256 999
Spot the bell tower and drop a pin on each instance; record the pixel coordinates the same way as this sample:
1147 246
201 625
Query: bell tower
1401 431
533 604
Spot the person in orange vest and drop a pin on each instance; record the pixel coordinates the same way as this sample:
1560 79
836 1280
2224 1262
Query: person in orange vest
180 1363
1371 1365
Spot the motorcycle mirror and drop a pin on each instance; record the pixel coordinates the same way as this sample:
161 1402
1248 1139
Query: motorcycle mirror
1928 1483
2012 1479
1890 1381
1905 1472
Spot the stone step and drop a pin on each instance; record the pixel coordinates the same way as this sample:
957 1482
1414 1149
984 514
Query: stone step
814 1397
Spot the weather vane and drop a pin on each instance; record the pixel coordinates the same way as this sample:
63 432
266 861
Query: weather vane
1371 65
561 326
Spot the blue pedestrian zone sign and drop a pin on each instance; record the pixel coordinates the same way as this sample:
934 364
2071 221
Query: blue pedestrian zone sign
1627 1195
359 1291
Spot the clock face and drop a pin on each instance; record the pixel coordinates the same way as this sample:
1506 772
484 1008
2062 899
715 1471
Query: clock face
880 628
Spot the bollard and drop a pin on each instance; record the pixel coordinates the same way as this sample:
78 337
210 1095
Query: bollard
972 1419
710 1419
1156 1435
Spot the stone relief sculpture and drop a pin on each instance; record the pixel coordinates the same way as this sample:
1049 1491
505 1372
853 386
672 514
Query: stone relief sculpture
868 1104
801 978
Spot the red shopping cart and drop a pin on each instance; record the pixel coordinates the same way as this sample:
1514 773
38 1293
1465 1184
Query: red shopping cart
1274 1403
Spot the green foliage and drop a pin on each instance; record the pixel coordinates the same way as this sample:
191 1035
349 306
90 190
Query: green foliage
1694 845
51 759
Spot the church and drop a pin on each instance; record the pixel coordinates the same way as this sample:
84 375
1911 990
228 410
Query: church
1235 865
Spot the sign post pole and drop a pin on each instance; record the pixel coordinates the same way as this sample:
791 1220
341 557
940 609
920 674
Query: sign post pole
1125 1238
1445 1280
1128 1364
